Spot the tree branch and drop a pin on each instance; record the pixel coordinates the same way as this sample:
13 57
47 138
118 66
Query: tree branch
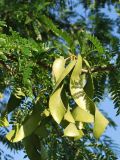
47 66
94 69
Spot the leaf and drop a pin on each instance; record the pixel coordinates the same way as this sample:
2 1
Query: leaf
96 43
65 73
19 94
31 144
81 134
82 116
26 129
56 105
68 116
71 130
100 124
58 67
58 32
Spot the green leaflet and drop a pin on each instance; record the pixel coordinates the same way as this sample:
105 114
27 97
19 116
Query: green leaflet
56 105
96 43
68 116
81 134
32 145
65 72
82 116
58 67
71 130
26 129
58 32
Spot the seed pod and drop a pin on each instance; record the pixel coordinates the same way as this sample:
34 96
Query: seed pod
58 67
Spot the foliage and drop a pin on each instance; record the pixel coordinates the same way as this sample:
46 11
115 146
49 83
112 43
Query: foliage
56 70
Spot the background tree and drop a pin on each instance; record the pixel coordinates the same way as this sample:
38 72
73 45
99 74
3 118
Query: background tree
32 35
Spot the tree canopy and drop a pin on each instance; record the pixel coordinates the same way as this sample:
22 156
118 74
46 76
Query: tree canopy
56 64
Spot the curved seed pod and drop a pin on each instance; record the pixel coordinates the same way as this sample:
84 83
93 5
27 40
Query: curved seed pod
58 67
26 129
81 134
82 116
68 116
80 125
87 111
71 130
100 122
65 72
56 105
31 144
77 83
